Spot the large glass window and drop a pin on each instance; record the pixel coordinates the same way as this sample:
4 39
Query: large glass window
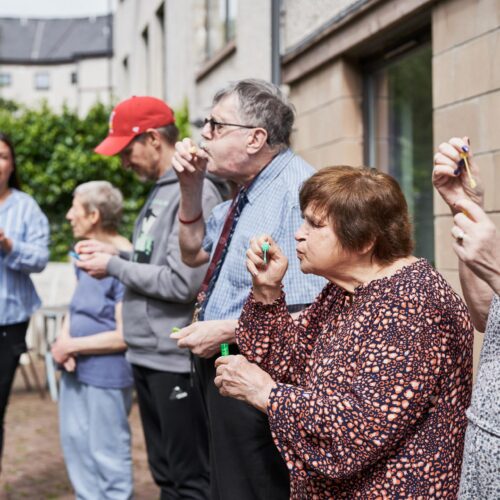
221 24
398 133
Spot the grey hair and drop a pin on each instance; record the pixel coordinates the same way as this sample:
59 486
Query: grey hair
104 197
262 104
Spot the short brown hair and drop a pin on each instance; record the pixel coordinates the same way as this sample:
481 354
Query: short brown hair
364 206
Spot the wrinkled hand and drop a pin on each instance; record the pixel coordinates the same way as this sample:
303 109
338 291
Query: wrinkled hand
267 277
477 242
238 378
85 247
189 165
203 338
5 243
95 264
61 350
450 176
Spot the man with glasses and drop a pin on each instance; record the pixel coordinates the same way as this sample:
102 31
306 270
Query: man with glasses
159 296
246 140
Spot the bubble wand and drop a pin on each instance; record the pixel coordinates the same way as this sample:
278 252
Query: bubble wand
463 155
265 248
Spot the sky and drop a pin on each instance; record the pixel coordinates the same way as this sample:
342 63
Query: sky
54 8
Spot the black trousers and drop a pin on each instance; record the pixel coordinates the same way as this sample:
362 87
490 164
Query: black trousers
244 461
175 432
12 345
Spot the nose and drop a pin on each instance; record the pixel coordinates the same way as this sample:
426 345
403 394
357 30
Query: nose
206 131
69 215
299 234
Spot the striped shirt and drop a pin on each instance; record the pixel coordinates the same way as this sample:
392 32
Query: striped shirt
272 208
25 224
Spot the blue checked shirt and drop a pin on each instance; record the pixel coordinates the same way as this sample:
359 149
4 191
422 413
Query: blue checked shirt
25 224
272 208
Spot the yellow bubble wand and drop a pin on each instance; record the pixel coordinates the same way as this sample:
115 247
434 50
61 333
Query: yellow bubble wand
464 156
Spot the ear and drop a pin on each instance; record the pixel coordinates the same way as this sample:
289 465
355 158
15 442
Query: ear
257 139
368 248
154 137
95 217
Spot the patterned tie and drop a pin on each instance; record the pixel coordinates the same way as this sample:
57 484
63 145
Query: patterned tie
220 252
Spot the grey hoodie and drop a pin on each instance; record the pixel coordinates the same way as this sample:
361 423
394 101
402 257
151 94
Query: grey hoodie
160 289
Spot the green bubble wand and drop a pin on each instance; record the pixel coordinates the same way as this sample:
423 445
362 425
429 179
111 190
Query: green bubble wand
265 248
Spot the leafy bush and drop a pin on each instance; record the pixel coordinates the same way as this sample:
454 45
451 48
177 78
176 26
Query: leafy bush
55 154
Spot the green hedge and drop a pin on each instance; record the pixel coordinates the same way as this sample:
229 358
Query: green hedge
55 154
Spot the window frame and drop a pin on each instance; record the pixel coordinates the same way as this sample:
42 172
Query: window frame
5 79
228 35
373 134
40 74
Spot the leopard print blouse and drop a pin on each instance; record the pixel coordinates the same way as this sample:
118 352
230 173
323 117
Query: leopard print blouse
372 387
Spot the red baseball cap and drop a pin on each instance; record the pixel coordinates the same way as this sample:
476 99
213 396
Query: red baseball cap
131 118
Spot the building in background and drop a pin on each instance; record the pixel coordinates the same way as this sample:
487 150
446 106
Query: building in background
376 82
187 50
62 61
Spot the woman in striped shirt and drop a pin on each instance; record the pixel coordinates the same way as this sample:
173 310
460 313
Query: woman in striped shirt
24 239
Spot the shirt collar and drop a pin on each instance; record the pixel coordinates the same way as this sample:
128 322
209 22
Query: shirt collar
268 174
10 200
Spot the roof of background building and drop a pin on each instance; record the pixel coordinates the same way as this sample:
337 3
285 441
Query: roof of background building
51 41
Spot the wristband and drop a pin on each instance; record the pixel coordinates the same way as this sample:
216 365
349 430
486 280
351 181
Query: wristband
196 219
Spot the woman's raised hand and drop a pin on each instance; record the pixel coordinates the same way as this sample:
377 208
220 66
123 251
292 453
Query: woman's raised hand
450 176
267 264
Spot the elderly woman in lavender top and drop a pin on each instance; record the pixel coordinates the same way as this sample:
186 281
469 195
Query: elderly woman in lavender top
96 385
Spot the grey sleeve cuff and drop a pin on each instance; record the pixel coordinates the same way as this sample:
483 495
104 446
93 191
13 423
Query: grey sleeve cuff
123 254
115 266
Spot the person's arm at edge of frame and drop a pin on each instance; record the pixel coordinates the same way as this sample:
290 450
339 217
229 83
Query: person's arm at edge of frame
479 260
477 296
450 180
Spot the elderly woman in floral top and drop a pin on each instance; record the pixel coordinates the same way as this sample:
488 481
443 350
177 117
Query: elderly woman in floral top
366 390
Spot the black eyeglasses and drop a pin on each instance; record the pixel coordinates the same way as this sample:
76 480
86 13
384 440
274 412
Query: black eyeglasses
214 123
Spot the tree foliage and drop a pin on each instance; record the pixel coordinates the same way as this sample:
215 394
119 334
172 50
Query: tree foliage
55 154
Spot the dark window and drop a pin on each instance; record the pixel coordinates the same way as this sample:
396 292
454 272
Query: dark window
145 36
398 134
160 16
74 77
220 24
146 62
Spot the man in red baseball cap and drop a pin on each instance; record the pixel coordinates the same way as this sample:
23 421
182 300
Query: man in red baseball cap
159 296
130 119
